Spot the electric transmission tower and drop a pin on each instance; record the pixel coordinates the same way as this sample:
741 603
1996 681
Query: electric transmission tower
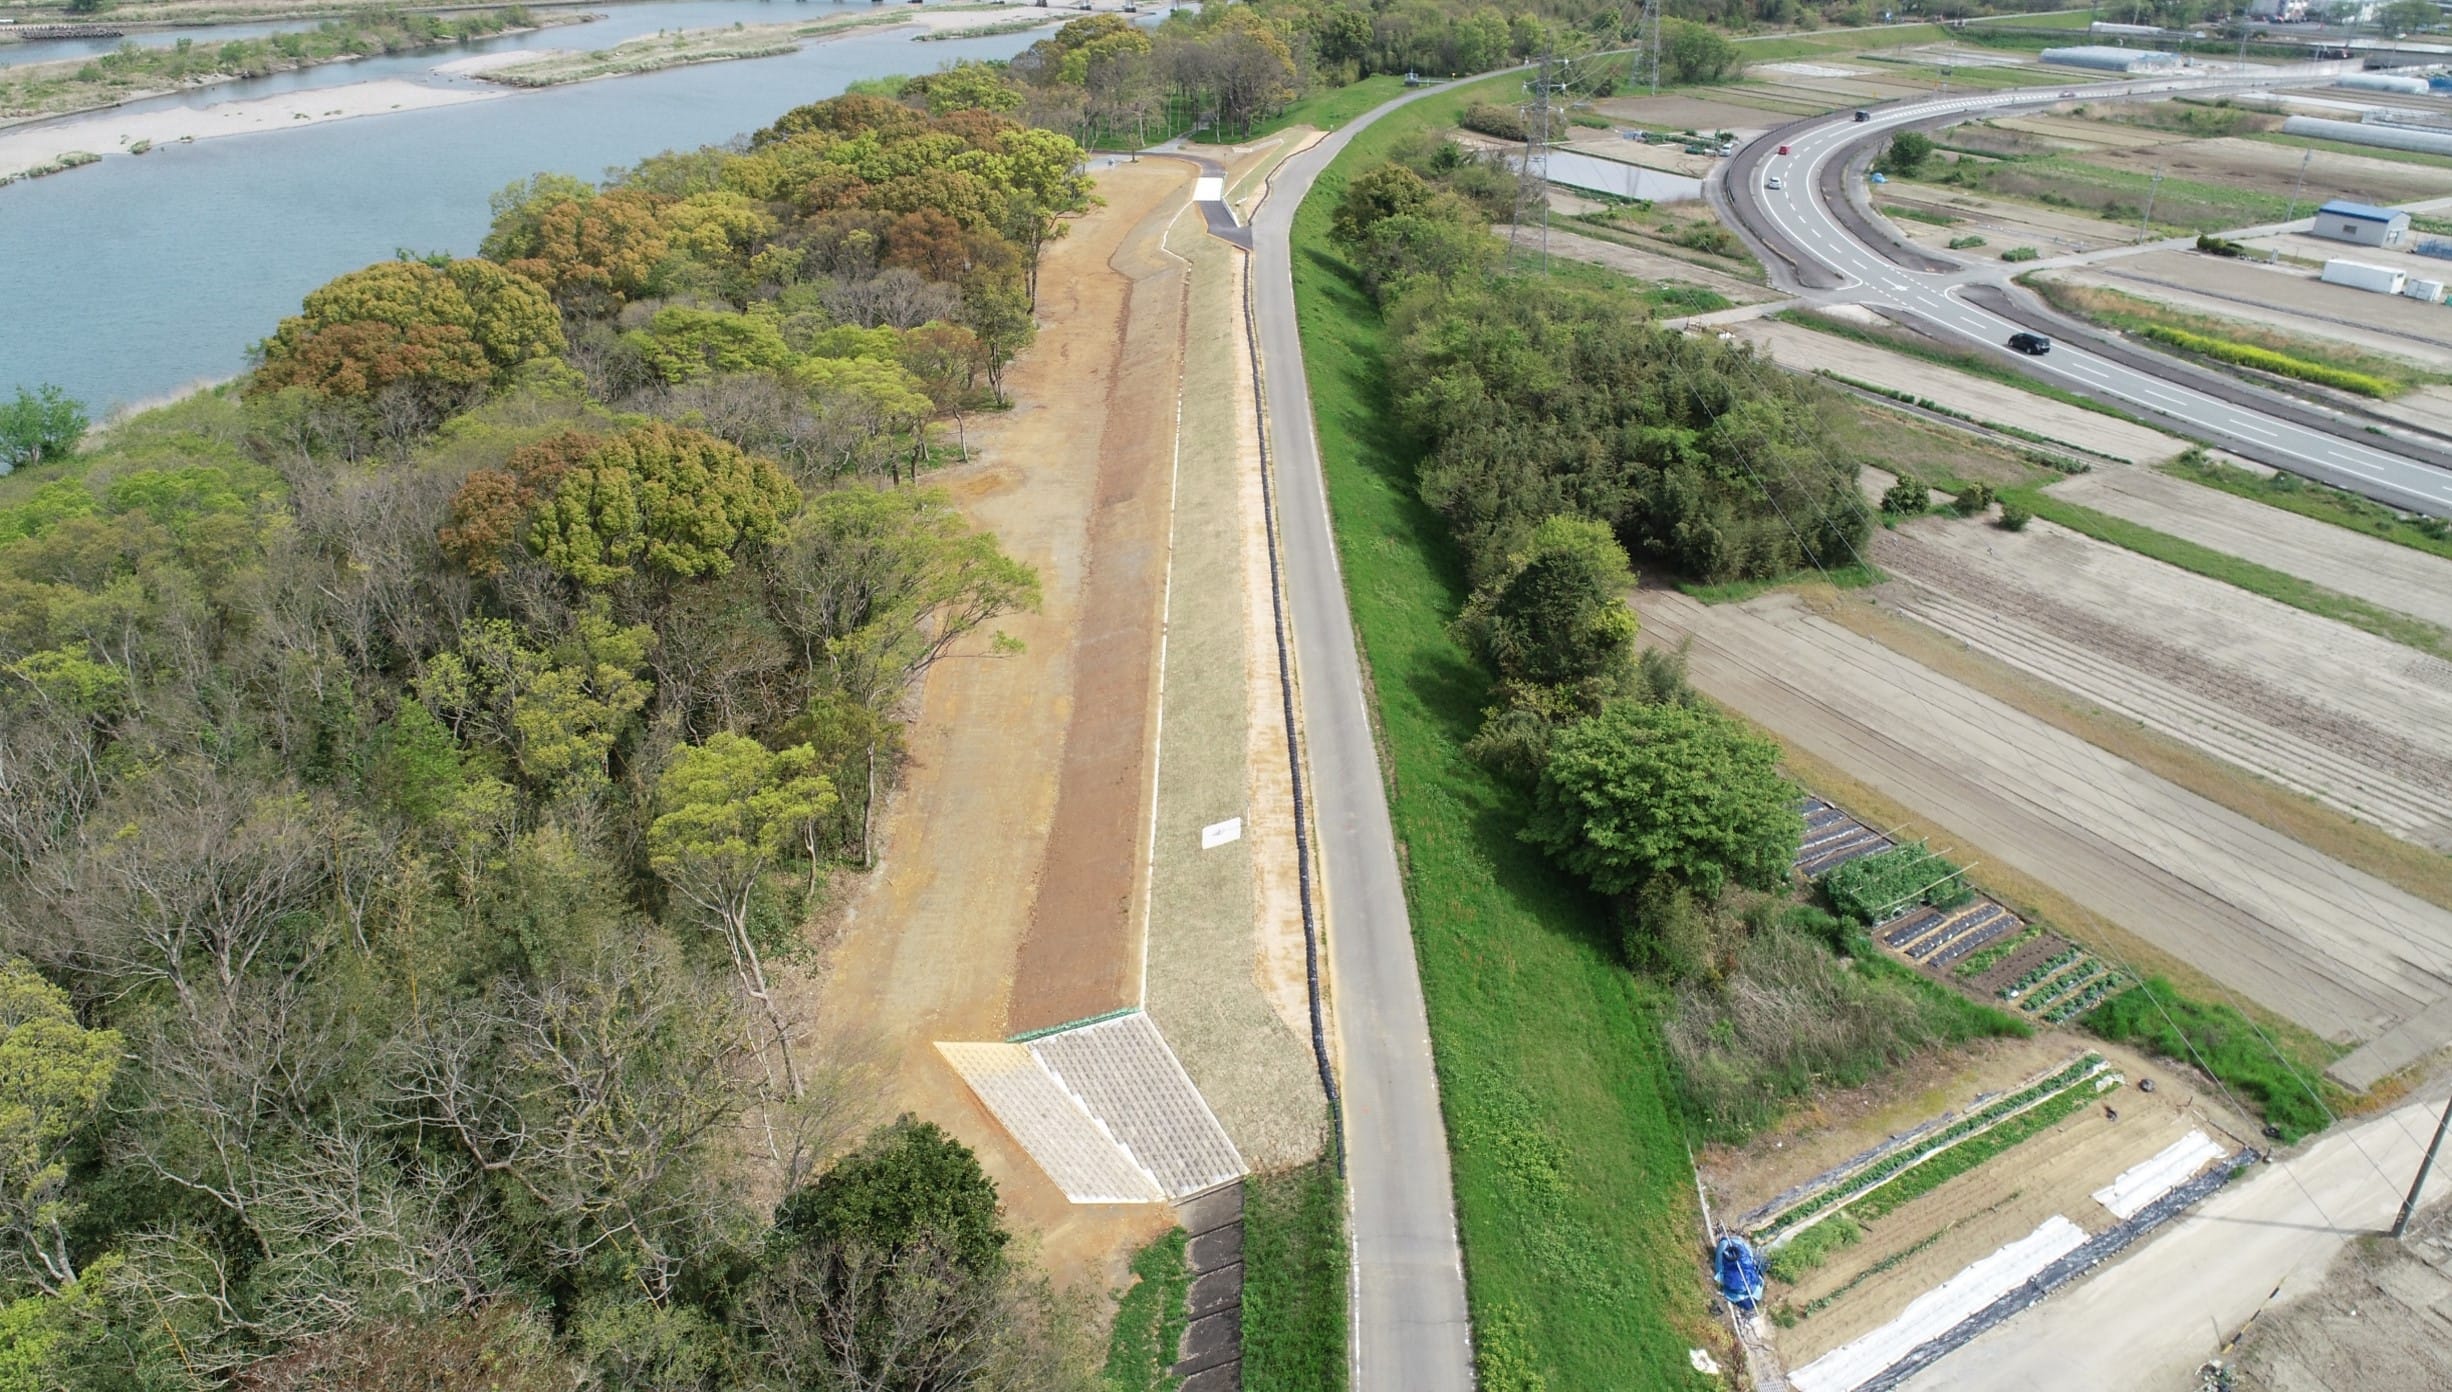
1532 190
1647 44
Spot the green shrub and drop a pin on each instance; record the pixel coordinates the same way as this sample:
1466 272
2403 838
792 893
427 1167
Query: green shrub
2014 517
1872 888
1909 497
1801 1255
2267 360
2226 1044
1149 1319
2021 253
1490 118
1973 499
1967 243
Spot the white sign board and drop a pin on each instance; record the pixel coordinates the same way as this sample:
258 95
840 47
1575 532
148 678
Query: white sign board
1217 834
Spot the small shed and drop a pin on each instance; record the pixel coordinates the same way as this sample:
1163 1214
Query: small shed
2363 224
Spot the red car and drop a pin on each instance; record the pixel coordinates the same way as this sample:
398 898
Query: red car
1783 149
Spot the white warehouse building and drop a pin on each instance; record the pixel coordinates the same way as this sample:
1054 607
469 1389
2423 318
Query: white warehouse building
2104 58
2362 223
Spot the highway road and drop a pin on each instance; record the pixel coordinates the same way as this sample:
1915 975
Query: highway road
1837 262
1409 1325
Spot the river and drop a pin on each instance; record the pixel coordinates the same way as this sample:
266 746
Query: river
134 278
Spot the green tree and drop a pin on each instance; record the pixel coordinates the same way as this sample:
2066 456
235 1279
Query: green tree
682 345
54 1073
678 502
908 1183
1384 192
2410 16
1691 52
727 811
1681 791
1558 618
446 330
39 425
1906 154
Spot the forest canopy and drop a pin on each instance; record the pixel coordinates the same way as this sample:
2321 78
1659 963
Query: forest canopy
420 755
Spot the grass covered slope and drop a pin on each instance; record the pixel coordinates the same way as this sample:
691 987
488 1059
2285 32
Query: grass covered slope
1572 1176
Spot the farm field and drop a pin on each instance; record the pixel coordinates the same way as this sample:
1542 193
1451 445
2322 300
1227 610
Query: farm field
2395 577
1913 1246
2001 222
1645 264
2273 170
2333 949
2350 719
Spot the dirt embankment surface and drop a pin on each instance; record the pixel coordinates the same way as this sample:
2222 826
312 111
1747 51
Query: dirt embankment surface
2350 719
2338 951
2381 1318
1073 481
2396 577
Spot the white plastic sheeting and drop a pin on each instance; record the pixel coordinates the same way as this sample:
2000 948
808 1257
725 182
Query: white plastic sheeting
1939 1310
2144 1182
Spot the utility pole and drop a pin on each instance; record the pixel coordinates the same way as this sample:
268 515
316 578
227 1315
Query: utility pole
2418 1185
2153 188
2291 214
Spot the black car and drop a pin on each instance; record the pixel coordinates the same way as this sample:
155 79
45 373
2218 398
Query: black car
2034 345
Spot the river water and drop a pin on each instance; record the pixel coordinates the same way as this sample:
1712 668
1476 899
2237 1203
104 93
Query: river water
130 279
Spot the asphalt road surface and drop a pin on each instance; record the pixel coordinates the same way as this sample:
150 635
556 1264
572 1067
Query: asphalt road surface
1409 1327
1800 215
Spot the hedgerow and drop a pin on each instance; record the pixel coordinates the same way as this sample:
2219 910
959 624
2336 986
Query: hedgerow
2267 360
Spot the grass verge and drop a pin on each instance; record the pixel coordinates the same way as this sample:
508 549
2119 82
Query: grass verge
1573 1192
2289 1093
1334 107
1294 1281
2322 502
2232 570
1149 1320
1847 577
2211 336
1971 363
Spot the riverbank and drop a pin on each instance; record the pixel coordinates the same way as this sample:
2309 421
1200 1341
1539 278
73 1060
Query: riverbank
683 47
74 86
110 132
29 148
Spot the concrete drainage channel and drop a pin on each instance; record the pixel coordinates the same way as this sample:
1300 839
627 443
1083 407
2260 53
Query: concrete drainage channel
1211 1356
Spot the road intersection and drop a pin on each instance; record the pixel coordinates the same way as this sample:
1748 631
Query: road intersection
1829 251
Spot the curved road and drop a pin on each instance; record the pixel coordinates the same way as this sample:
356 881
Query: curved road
1408 1320
1838 259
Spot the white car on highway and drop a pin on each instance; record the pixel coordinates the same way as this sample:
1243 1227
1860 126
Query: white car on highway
1773 183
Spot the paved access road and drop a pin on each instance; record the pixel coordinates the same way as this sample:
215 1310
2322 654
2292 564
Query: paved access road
2146 1323
1800 214
1409 1326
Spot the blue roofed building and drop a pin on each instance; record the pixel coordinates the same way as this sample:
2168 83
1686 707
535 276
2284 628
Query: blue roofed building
2363 224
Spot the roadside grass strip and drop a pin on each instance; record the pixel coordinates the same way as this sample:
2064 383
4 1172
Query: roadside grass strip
2144 1182
1972 363
1149 1320
1936 1312
1294 1281
2322 502
2231 570
1574 1197
1894 1178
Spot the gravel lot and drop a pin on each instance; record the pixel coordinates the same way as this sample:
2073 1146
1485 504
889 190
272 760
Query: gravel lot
2337 558
2338 951
2350 719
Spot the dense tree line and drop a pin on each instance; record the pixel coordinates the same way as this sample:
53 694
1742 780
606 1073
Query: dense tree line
1562 438
415 759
